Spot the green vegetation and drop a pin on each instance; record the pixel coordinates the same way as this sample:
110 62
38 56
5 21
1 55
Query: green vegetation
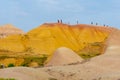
39 60
11 65
7 79
92 50
52 79
88 55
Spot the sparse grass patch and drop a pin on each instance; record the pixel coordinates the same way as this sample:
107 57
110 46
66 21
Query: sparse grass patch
92 50
27 60
7 79
88 55
11 65
40 60
52 79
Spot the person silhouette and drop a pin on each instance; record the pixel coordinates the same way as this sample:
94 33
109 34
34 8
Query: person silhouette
61 21
58 21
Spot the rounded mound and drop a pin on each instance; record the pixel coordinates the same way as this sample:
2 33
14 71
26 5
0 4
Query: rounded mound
8 29
64 56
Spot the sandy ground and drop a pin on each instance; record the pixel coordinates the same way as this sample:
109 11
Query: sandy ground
24 73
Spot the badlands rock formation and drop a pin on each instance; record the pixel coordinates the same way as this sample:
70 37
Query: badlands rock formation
46 38
103 67
50 36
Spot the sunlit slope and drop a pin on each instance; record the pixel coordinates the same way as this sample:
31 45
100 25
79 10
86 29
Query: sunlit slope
12 43
48 37
10 38
86 40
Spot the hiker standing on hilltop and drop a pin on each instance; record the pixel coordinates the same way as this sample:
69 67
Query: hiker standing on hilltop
96 23
91 22
61 21
77 22
58 21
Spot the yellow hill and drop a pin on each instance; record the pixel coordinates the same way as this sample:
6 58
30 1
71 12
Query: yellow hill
46 38
12 43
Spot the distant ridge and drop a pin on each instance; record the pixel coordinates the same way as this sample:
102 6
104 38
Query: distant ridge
9 29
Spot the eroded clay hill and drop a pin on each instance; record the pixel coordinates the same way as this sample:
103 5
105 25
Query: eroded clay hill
45 39
48 37
42 41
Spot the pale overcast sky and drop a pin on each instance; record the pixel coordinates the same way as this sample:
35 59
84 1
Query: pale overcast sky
28 14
